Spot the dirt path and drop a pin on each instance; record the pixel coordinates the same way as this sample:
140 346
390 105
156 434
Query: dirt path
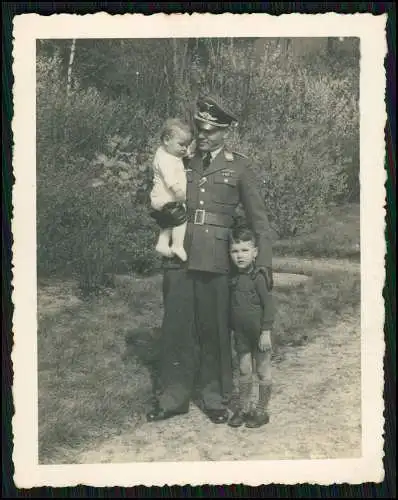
308 266
315 413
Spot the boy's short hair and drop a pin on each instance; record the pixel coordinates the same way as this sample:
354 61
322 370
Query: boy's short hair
173 124
242 233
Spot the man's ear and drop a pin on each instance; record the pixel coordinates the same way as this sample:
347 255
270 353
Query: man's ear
226 133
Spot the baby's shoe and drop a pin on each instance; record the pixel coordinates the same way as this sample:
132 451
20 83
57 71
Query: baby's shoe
164 250
180 252
256 420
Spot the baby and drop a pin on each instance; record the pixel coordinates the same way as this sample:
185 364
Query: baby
168 195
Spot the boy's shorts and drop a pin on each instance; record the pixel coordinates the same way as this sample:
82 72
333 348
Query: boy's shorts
246 342
171 215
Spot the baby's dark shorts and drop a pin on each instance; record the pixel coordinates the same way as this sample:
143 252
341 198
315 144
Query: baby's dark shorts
171 215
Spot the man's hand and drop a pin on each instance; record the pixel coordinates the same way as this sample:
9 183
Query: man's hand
264 343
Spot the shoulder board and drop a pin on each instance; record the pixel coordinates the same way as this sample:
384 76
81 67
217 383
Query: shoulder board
228 155
240 154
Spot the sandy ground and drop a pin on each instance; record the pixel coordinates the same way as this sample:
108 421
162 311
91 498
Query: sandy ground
315 413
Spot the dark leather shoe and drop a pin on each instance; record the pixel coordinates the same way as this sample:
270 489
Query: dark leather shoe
237 419
257 420
217 416
158 414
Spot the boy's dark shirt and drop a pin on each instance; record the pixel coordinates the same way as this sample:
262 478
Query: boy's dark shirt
252 308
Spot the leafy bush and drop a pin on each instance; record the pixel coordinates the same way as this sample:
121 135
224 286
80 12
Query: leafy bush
298 119
92 183
305 147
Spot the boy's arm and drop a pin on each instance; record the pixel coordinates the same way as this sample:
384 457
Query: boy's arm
265 300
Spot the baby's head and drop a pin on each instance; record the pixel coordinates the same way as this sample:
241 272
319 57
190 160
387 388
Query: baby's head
243 247
176 137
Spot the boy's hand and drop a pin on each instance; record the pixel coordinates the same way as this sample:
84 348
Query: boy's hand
264 343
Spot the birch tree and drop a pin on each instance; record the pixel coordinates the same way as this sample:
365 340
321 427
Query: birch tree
70 65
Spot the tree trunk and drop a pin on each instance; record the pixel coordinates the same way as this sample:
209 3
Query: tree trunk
70 65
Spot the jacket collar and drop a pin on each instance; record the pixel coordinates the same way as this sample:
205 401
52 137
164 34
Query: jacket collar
218 163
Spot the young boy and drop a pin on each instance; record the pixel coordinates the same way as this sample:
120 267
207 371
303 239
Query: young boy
168 194
252 317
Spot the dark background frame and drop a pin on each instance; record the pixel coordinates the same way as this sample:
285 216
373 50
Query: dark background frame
387 489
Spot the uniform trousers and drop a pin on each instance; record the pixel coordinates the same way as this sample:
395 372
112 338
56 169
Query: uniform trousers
195 346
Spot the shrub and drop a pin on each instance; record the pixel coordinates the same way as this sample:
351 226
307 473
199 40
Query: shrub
306 148
94 145
101 228
92 183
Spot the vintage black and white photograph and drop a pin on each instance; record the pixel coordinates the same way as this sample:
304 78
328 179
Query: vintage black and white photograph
198 234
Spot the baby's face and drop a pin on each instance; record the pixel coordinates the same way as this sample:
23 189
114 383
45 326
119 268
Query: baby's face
177 144
243 253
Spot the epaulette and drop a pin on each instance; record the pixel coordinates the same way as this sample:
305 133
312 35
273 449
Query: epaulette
241 155
228 155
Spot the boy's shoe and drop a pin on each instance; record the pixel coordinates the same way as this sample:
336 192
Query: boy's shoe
256 420
237 419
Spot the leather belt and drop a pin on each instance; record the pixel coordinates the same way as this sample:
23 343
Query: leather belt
201 217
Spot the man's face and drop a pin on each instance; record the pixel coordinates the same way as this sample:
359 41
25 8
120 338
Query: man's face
210 138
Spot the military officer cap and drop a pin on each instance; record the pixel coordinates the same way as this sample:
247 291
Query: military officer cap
212 113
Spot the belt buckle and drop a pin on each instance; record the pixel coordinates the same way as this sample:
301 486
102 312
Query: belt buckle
199 217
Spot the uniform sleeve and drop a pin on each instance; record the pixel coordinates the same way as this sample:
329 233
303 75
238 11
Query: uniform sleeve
266 302
256 216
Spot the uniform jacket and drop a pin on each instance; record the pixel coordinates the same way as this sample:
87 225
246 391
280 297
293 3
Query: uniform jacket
227 182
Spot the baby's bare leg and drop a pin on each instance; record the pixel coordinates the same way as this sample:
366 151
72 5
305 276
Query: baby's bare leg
163 244
177 246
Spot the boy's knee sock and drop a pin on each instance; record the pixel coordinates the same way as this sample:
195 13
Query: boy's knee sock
264 395
245 391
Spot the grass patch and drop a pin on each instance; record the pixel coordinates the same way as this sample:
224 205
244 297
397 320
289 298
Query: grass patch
304 310
88 388
95 356
335 233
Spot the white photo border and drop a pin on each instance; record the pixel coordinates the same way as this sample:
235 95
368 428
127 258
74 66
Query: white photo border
371 30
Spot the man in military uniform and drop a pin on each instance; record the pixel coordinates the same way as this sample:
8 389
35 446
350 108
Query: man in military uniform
195 341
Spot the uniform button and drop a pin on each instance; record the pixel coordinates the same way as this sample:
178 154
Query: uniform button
206 230
202 190
225 180
201 202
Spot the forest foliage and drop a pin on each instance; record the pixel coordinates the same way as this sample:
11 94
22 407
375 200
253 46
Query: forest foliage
101 104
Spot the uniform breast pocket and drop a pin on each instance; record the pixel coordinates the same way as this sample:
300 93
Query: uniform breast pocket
221 249
225 190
